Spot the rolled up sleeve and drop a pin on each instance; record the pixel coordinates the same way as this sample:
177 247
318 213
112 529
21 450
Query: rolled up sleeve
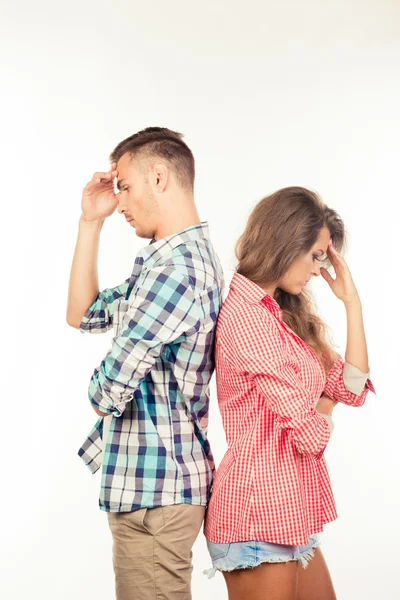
162 310
99 316
294 408
347 384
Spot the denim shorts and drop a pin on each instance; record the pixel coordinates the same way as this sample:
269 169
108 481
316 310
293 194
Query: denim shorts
245 555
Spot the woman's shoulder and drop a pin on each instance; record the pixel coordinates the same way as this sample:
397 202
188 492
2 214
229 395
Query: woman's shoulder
238 316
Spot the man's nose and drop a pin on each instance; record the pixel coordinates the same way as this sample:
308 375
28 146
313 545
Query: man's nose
121 208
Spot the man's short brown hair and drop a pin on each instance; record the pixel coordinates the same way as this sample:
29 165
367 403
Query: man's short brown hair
165 144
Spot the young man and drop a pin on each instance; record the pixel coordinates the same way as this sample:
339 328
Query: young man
151 391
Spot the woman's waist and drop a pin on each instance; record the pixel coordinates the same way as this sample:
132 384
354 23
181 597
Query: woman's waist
267 464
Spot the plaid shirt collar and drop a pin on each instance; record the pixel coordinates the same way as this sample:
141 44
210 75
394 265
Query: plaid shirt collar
253 293
158 250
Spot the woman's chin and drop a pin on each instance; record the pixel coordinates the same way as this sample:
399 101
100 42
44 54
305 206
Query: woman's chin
294 290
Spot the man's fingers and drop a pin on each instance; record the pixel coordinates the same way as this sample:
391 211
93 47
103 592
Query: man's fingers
103 178
99 176
105 184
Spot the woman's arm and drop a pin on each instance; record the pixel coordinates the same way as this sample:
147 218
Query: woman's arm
356 348
348 381
253 345
344 288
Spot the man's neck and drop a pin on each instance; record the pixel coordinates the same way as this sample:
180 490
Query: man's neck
182 218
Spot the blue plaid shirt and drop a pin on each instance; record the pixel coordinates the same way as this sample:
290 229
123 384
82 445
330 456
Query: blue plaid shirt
154 381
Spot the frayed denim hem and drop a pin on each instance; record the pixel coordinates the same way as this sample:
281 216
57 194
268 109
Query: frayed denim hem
306 557
302 559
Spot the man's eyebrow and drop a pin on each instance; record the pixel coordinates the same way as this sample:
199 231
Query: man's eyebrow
120 183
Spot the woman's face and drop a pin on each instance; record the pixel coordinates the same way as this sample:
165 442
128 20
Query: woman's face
306 266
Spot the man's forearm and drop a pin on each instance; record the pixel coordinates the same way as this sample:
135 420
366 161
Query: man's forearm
83 283
99 413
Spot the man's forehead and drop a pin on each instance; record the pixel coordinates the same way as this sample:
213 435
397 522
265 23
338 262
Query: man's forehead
126 166
124 162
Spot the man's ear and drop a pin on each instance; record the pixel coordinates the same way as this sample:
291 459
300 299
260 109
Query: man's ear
161 175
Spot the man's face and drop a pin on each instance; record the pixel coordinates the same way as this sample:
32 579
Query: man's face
136 200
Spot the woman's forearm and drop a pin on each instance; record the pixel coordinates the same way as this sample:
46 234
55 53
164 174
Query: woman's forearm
356 349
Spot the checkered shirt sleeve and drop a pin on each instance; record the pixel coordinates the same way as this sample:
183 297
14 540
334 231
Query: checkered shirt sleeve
100 315
162 310
347 384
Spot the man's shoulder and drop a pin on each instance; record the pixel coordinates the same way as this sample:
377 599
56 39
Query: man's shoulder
196 262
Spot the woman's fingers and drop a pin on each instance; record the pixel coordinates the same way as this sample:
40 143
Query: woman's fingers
326 275
336 259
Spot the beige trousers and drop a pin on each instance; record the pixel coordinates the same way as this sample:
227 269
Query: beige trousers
152 551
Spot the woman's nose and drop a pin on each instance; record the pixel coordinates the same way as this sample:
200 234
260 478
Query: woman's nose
316 270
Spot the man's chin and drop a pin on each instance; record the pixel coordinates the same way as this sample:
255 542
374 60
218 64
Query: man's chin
140 233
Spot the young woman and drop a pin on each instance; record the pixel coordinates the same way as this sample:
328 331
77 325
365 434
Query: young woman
278 379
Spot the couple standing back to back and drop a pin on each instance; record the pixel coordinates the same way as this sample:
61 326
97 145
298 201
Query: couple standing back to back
278 380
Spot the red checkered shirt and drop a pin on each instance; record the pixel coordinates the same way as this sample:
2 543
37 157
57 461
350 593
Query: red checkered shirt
272 484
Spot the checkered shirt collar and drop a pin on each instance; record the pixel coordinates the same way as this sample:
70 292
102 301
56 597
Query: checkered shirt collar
158 250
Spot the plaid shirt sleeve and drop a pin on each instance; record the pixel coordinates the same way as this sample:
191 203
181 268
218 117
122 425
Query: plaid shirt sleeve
161 310
259 351
347 384
99 316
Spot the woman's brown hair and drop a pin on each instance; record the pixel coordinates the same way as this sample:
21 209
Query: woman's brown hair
282 227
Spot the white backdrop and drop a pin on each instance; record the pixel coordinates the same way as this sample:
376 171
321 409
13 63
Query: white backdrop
269 94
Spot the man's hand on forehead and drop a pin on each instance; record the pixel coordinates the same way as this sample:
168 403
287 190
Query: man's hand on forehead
114 174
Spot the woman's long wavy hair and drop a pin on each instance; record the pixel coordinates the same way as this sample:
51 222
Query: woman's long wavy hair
281 228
